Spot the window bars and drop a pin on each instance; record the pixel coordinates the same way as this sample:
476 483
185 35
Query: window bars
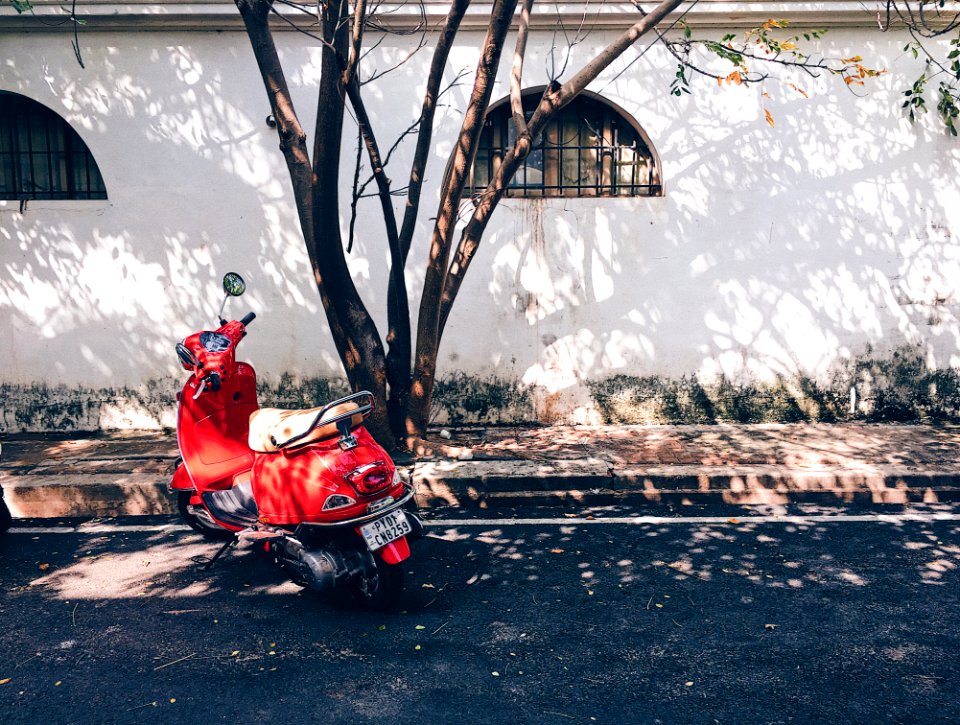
588 150
41 156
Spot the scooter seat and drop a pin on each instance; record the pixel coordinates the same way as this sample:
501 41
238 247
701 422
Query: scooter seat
271 428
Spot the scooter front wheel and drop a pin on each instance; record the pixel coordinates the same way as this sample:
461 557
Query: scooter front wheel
197 518
5 518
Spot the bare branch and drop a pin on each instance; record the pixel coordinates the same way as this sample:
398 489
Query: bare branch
458 9
379 74
301 8
660 36
357 190
386 162
917 21
516 72
356 40
374 22
398 310
568 43
293 25
572 88
373 47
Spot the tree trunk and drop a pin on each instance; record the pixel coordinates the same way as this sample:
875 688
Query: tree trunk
442 283
428 326
358 345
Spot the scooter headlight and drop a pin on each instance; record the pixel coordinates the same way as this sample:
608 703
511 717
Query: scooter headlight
187 359
337 501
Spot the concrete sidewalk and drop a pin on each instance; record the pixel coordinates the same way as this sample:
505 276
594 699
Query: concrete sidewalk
127 473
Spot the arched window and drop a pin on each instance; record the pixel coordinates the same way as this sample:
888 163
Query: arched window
593 148
41 156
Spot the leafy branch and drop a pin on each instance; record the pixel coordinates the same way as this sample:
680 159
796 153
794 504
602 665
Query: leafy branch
760 47
929 20
948 89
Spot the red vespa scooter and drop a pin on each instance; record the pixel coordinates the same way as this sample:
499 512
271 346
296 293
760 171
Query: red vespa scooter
311 486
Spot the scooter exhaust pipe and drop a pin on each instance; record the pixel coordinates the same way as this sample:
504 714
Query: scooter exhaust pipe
319 569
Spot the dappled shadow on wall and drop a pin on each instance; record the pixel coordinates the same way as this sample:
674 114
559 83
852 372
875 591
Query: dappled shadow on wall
118 282
777 257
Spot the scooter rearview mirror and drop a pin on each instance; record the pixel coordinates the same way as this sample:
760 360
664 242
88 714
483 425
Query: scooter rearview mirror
233 284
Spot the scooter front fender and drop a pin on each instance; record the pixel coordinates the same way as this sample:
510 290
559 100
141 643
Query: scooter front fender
181 479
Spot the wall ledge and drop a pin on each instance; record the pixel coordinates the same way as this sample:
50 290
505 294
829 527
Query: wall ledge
211 16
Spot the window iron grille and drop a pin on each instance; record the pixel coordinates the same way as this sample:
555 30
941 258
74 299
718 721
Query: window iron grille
41 156
590 149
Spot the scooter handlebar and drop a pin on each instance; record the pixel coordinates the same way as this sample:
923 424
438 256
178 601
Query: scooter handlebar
248 318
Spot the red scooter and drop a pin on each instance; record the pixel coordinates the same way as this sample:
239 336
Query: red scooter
311 487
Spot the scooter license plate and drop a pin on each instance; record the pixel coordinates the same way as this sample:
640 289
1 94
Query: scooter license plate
387 528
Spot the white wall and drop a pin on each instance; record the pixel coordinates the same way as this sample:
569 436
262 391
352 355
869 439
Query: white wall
774 251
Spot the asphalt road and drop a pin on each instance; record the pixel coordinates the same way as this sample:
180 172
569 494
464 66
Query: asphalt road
716 619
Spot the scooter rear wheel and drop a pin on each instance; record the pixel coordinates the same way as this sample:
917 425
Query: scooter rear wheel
378 588
199 520
385 594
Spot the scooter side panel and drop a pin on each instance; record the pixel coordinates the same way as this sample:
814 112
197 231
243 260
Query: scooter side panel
292 486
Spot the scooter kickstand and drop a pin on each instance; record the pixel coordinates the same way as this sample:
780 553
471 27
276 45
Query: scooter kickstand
220 552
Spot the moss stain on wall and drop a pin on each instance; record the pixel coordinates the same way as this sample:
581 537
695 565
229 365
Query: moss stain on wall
898 388
461 398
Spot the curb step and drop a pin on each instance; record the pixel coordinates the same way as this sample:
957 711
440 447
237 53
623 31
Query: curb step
509 483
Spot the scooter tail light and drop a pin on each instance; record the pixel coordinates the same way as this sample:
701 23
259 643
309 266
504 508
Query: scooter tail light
369 479
373 482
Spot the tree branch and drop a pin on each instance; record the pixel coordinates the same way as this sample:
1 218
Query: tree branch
516 72
554 98
458 9
356 40
293 140
428 326
398 310
572 88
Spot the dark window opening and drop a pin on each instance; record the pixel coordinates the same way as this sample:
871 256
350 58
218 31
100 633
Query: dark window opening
41 156
591 149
